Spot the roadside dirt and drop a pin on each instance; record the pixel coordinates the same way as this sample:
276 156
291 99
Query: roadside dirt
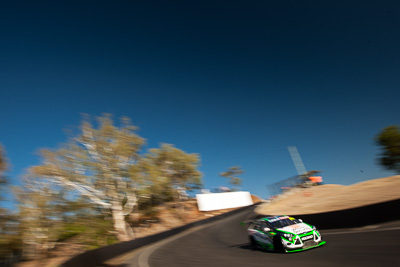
333 197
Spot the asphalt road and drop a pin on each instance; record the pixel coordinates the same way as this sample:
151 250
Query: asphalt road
225 243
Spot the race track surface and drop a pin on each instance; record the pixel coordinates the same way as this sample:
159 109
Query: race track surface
225 243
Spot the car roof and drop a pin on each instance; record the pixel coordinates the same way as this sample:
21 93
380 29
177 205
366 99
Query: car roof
274 217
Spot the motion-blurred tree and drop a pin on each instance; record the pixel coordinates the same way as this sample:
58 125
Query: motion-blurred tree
3 169
175 171
101 165
231 173
3 160
8 236
389 140
40 216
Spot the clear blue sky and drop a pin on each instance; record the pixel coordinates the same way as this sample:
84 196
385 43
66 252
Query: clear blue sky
235 81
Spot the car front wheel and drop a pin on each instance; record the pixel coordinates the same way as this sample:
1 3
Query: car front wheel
253 243
278 245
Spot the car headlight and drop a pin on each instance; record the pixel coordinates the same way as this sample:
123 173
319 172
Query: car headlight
290 237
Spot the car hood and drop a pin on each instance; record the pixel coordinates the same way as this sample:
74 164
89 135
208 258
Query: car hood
296 228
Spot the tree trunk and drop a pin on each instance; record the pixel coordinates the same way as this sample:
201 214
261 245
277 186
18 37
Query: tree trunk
124 231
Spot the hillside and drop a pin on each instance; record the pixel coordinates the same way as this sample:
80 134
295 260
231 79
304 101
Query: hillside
333 197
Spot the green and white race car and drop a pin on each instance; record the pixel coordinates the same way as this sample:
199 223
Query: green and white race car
283 234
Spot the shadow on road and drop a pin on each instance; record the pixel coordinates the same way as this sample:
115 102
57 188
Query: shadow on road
247 246
243 246
112 265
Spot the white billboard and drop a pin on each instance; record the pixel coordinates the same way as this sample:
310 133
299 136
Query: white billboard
219 201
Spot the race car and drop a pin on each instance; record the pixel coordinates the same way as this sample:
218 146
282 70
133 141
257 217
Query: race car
283 234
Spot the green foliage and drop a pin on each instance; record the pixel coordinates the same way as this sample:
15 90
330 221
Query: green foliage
98 232
231 174
172 167
71 230
389 140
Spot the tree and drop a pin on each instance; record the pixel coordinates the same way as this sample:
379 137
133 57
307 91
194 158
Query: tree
10 240
47 215
389 140
3 168
231 173
100 164
175 171
40 216
8 236
3 161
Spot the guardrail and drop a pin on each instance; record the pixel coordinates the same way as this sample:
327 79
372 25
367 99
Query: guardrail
100 255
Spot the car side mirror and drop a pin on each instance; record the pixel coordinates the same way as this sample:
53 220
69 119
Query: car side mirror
266 229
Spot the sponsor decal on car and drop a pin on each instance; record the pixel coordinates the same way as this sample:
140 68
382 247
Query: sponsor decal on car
307 237
295 235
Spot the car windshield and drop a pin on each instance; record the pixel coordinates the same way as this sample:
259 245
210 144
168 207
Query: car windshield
280 223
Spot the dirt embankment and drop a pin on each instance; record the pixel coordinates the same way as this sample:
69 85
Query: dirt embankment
331 197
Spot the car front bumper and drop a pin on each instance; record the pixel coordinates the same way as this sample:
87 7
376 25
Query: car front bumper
305 247
300 243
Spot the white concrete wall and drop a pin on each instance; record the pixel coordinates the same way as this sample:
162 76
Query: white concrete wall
218 201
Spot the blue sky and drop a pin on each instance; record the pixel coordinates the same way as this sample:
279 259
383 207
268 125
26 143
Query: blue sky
234 81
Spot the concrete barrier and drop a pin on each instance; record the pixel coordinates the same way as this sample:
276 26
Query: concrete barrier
100 255
355 217
219 201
